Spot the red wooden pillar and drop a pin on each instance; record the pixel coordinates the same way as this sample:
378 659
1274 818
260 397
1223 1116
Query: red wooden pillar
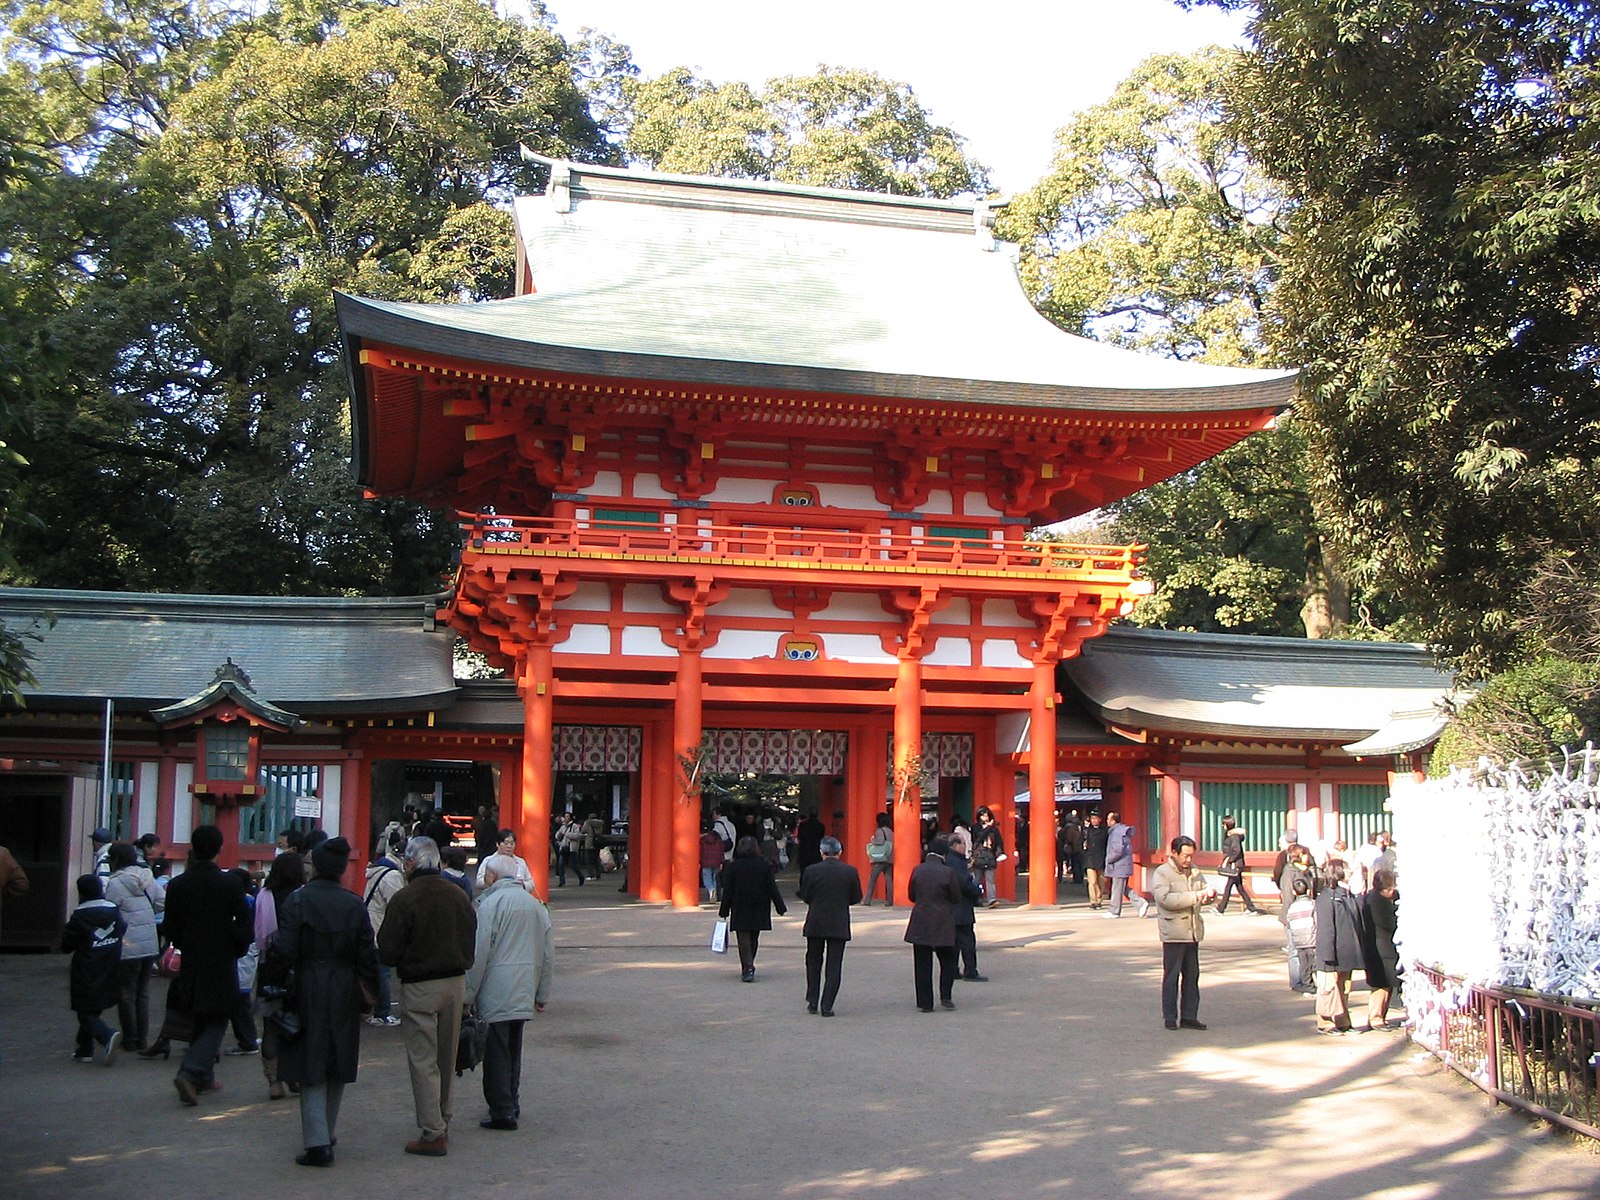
531 819
1042 786
866 781
355 814
907 760
655 879
687 728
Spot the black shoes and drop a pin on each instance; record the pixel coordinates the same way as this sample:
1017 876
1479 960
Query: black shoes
827 1012
976 978
947 1003
316 1156
924 1008
506 1123
1192 1024
748 975
1171 1024
812 1008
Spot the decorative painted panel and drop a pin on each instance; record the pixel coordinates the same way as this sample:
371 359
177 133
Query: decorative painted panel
598 748
775 751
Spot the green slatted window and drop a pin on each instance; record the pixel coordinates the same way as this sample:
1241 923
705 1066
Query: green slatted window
1155 835
1261 809
1361 811
260 823
116 814
626 516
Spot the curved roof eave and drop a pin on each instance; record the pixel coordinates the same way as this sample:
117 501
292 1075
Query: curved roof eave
450 331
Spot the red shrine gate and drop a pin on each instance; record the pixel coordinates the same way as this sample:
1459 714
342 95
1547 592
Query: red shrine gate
745 457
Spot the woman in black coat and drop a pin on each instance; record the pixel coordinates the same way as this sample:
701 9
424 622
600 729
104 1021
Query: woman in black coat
325 936
1382 960
749 892
1338 950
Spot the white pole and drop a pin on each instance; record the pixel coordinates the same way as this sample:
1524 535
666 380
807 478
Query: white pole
105 764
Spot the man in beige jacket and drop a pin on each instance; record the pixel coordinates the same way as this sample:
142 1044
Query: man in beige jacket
1180 891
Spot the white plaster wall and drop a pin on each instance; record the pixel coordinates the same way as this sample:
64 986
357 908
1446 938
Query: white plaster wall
858 497
852 606
144 798
949 652
958 611
976 504
856 647
333 807
185 815
741 645
645 642
749 602
1002 652
938 502
646 598
999 614
1189 809
589 597
647 487
606 483
743 491
586 639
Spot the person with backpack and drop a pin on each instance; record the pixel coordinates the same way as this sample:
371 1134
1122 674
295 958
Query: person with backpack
569 848
384 879
93 937
880 853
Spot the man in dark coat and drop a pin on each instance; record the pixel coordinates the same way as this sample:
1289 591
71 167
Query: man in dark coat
208 920
325 933
966 910
935 891
829 888
1094 849
1338 950
808 841
749 893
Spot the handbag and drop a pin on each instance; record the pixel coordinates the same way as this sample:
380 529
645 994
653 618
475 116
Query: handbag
983 859
168 964
719 936
878 851
470 1042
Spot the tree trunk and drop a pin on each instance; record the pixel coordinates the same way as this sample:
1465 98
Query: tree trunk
1326 610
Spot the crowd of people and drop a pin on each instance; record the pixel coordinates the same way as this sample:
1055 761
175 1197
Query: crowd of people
312 958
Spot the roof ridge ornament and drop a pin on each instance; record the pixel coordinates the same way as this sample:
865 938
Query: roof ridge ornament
231 672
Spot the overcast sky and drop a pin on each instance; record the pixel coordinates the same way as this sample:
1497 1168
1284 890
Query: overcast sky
1004 74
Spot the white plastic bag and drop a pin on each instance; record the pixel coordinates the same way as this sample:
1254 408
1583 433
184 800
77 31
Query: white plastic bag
719 936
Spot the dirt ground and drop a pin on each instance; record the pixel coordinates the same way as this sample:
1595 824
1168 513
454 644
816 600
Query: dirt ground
656 1073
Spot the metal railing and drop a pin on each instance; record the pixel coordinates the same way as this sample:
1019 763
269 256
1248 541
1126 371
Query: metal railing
1526 1049
822 548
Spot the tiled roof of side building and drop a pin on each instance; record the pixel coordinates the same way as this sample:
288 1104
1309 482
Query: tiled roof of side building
311 656
1235 686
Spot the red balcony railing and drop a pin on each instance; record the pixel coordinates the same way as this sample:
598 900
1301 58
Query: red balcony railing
810 548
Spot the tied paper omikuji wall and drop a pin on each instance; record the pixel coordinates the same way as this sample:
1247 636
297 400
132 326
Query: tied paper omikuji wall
1500 879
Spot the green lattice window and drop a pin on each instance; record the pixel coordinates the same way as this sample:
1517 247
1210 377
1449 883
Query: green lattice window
1361 811
1261 809
626 516
116 808
282 785
1155 837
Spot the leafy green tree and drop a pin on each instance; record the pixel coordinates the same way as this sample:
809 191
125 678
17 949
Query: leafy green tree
1154 229
218 174
1439 285
837 128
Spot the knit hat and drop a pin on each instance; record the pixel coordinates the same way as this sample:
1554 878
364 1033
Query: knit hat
331 857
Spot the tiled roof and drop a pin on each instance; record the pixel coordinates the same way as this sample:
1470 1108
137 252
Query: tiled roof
740 283
309 656
1224 686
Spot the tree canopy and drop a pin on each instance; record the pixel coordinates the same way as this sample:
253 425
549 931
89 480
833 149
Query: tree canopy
838 128
1155 229
215 174
1439 284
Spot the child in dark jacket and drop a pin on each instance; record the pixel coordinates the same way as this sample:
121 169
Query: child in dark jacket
93 937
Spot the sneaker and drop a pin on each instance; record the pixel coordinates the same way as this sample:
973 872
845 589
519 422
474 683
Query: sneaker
391 1022
1110 916
83 1058
241 1051
108 1052
1144 908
